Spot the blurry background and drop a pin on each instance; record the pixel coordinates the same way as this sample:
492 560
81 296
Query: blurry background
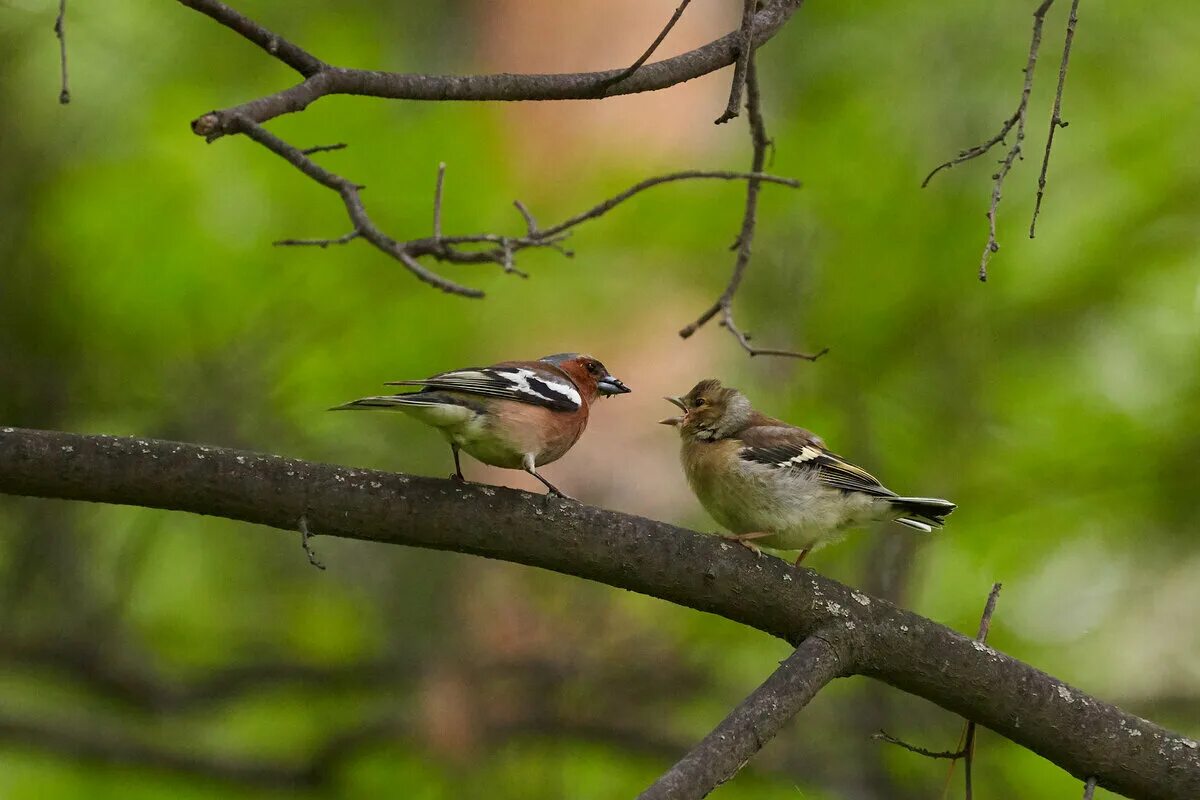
145 653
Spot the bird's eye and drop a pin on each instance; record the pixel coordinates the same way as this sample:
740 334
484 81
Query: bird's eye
699 402
594 368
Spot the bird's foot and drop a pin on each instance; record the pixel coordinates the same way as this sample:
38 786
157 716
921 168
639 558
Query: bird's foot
552 492
457 477
744 539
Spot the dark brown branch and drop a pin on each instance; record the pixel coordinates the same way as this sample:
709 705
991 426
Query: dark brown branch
745 240
741 66
322 80
723 752
644 57
1082 734
60 31
1014 123
1056 120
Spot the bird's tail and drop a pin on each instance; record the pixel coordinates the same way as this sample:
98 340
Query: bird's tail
388 401
922 513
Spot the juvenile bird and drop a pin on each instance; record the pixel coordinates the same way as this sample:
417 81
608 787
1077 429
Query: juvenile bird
765 479
515 414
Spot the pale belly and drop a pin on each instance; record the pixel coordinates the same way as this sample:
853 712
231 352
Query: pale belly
796 509
491 443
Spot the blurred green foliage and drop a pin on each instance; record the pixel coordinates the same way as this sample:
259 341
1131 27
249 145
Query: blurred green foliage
1059 404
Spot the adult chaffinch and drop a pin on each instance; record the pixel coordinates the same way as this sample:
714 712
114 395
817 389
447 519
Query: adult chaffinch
765 479
515 414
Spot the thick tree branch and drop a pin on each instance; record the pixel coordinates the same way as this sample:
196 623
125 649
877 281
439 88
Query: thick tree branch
1082 734
322 80
720 755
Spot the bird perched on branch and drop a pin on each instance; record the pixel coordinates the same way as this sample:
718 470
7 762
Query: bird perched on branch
766 480
515 414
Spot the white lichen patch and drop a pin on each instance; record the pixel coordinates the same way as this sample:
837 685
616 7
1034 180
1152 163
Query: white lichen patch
724 546
488 491
1064 693
1134 732
8 430
240 459
981 647
66 448
836 609
861 598
375 485
787 577
339 478
904 628
849 625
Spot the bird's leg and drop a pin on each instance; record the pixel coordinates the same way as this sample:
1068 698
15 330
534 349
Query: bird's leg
531 468
803 554
745 540
457 476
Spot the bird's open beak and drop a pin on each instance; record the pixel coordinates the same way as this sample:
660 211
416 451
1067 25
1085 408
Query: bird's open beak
674 421
609 385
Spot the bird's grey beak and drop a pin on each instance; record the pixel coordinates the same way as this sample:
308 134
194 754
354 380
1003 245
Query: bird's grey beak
610 385
674 422
677 402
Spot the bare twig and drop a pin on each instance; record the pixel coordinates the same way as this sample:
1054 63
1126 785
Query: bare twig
1014 123
1014 152
1056 120
531 226
322 243
743 244
324 148
447 248
632 68
723 752
742 66
743 339
60 30
1089 789
308 551
437 201
884 736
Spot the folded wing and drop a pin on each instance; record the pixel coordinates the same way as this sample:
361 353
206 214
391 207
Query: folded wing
537 385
